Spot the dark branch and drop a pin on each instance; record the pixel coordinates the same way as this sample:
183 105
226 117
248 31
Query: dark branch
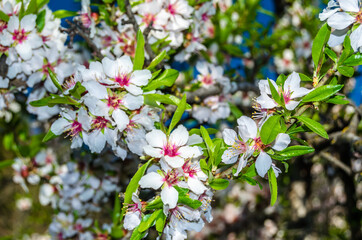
77 28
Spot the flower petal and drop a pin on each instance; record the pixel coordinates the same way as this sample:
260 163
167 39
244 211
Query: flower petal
281 142
190 152
196 185
140 77
59 126
229 136
247 128
340 20
153 152
151 180
174 162
349 5
179 136
263 164
121 119
169 196
156 138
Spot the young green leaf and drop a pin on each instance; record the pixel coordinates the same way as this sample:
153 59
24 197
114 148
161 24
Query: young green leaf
235 110
294 151
6 163
167 78
319 42
32 7
347 50
160 223
121 5
40 20
304 77
314 126
64 14
42 3
41 102
54 79
346 71
144 225
209 143
78 90
139 58
354 60
219 183
281 79
322 93
49 136
331 54
178 114
270 129
192 203
157 59
116 210
133 186
338 100
4 17
274 92
273 185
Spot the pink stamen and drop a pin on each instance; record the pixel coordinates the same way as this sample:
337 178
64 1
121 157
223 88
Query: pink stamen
259 145
123 80
99 123
114 101
19 36
207 80
170 150
171 178
189 169
148 18
287 96
75 129
171 8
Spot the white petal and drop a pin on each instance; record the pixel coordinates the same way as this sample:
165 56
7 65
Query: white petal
247 128
131 220
337 37
156 138
190 152
24 50
281 142
263 164
179 136
229 136
28 22
169 196
340 20
96 89
151 180
300 92
109 67
196 185
124 64
121 119
59 126
140 77
84 119
96 141
349 5
356 39
132 102
13 24
153 152
194 139
242 163
134 89
174 162
230 156
291 105
292 82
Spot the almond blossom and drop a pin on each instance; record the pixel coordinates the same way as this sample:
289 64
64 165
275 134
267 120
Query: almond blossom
174 149
291 90
133 216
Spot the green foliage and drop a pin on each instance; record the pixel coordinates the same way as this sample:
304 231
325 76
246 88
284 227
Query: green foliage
167 78
4 17
178 114
64 14
32 7
322 93
270 129
273 185
219 183
49 136
139 58
157 60
293 151
314 126
40 20
319 42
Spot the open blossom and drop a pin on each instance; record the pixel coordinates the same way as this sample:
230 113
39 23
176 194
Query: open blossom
247 143
340 16
166 181
121 75
21 35
291 90
133 216
211 74
174 149
74 123
194 175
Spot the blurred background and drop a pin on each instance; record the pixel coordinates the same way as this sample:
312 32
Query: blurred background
320 196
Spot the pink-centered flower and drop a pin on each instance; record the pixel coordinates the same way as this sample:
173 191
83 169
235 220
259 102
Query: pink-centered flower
174 149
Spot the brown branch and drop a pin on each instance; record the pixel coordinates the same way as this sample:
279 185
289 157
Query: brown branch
77 28
3 66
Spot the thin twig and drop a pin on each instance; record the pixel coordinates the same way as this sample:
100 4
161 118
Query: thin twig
336 162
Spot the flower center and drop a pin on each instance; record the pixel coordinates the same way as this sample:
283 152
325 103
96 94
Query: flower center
45 68
3 25
148 19
170 150
258 144
171 8
189 169
122 79
114 102
171 178
19 36
287 96
207 80
70 83
359 17
239 146
99 123
204 17
75 129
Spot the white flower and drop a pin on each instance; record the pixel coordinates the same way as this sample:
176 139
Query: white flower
193 174
121 74
166 181
22 36
134 214
174 149
291 90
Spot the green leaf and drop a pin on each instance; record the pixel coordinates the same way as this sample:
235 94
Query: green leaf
322 93
78 90
331 54
22 10
235 110
64 14
198 132
346 51
155 99
319 42
346 71
270 129
121 5
54 79
32 7
155 204
49 136
203 166
294 151
192 203
133 186
62 100
4 17
273 185
219 183
274 92
354 60
137 235
40 20
167 78
144 225
116 210
178 114
6 163
304 77
209 144
338 100
139 58
157 59
41 102
42 3
281 79
160 223
314 126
